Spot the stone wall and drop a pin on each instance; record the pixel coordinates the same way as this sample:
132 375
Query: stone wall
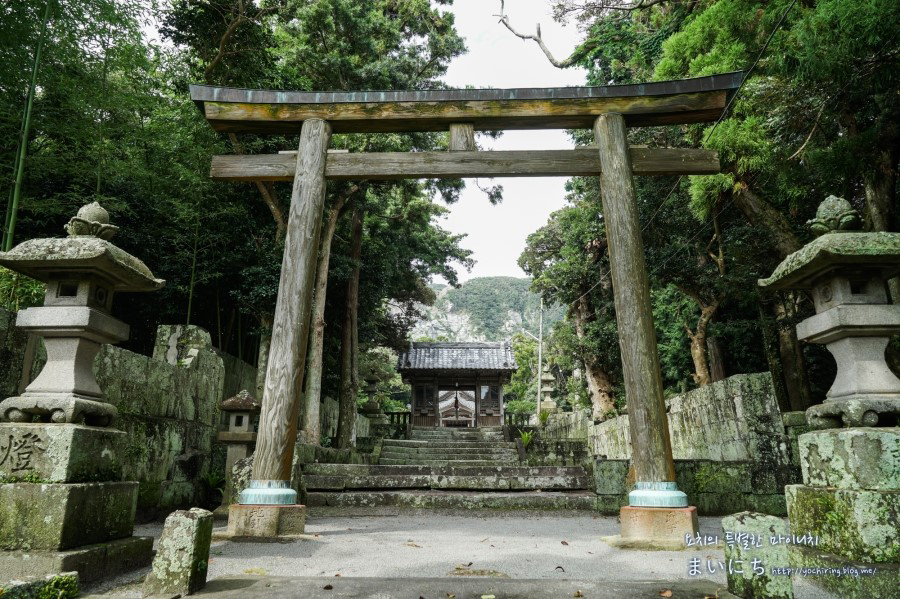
328 417
732 420
168 404
730 445
12 354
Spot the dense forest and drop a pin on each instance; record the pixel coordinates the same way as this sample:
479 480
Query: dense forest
94 107
817 115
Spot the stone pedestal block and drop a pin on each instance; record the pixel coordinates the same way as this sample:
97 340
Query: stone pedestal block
60 453
266 520
182 557
853 458
745 581
857 525
92 562
664 524
845 579
62 516
655 528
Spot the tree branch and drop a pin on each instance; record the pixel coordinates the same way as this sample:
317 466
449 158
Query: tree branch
811 131
561 64
267 191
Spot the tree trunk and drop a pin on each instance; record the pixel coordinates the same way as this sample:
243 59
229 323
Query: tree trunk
347 403
312 397
771 345
698 341
599 386
716 359
796 379
262 357
879 185
760 212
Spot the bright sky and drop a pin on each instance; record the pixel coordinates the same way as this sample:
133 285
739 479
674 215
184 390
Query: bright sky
496 58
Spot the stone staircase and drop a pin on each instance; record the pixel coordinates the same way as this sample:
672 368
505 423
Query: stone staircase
451 469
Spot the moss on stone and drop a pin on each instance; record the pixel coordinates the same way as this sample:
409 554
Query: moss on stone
858 525
56 586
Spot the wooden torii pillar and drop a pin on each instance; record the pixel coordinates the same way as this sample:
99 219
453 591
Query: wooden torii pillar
657 511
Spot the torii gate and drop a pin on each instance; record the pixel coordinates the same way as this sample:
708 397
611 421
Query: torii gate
608 110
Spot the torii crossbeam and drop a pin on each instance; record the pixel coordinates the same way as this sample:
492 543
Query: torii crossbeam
607 110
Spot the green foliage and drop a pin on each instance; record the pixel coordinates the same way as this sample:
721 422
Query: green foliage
543 417
526 437
113 122
520 406
28 477
61 586
18 291
213 486
523 383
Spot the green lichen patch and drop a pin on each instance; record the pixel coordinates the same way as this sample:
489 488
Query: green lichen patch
62 516
853 458
859 525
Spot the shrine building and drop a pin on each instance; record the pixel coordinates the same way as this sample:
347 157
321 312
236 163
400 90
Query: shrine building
457 384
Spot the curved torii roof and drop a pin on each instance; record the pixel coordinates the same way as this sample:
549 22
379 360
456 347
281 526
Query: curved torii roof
259 111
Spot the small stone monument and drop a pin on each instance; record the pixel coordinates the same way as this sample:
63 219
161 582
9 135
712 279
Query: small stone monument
849 501
64 506
372 408
547 404
756 548
240 438
182 559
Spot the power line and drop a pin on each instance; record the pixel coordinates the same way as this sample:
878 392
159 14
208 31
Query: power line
727 106
708 136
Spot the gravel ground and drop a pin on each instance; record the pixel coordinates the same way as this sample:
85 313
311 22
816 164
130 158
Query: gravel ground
437 545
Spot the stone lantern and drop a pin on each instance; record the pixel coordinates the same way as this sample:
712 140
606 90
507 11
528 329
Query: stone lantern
547 404
64 504
372 408
240 437
846 272
82 272
850 472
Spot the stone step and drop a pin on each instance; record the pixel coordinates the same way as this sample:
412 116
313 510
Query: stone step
449 459
462 500
487 452
412 459
457 438
470 433
450 429
377 469
424 462
450 433
447 444
497 482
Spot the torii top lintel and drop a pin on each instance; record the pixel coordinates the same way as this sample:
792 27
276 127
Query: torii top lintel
274 112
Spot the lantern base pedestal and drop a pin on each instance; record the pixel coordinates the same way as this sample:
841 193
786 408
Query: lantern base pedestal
58 408
867 412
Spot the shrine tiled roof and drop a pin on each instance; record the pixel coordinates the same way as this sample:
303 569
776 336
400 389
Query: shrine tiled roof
496 356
